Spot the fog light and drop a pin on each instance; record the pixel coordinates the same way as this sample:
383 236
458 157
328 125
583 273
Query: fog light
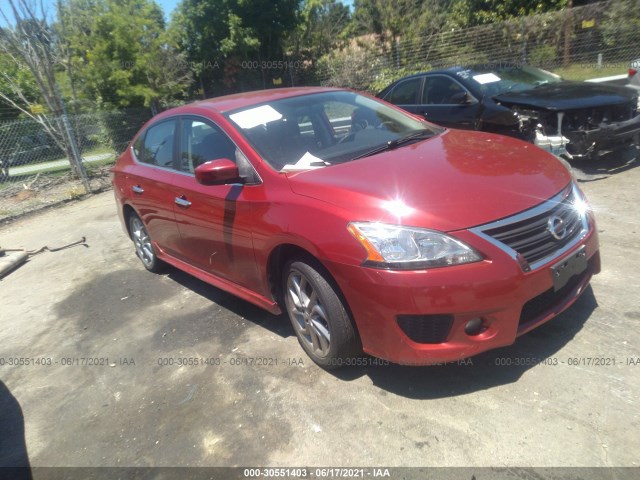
474 327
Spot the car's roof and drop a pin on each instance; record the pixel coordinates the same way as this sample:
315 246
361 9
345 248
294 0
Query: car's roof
450 70
456 69
239 100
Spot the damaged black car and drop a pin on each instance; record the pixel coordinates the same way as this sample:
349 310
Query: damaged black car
574 120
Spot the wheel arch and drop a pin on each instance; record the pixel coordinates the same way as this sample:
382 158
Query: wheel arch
284 253
127 211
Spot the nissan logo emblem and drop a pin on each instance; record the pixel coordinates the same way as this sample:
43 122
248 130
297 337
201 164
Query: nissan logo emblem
556 227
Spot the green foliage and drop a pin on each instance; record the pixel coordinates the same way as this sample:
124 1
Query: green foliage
543 56
217 35
388 19
468 13
12 73
351 66
387 76
320 28
622 27
118 128
121 54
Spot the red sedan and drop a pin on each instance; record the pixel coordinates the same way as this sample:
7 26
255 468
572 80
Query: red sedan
373 230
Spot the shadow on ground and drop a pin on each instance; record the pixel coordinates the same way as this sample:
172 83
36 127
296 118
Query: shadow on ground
222 321
14 460
607 165
497 367
491 369
278 324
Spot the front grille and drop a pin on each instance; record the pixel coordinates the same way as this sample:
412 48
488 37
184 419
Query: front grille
531 235
426 328
591 118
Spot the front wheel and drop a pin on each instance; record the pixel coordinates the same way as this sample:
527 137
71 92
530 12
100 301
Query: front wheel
319 318
144 247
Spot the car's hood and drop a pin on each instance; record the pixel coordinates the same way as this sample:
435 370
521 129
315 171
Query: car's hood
455 180
568 96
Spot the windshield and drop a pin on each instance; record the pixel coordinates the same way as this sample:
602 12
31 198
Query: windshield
508 78
322 129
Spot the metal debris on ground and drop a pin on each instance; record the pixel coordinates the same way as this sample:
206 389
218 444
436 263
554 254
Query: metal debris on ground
12 258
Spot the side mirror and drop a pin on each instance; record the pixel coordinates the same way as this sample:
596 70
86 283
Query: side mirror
218 172
462 98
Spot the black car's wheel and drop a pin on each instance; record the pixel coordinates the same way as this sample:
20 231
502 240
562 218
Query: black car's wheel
319 318
144 247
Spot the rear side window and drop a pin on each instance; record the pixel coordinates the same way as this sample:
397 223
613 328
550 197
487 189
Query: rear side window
440 90
156 148
405 93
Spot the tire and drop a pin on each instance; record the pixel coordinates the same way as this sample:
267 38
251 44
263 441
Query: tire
318 315
143 245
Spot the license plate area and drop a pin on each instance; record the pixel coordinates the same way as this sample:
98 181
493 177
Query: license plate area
574 264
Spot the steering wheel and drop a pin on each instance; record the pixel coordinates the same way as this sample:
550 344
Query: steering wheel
384 125
347 138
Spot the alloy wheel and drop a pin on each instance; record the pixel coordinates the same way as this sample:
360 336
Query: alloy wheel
308 314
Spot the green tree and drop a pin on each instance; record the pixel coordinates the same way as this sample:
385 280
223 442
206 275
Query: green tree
621 27
400 25
120 53
218 35
469 13
388 20
17 84
320 29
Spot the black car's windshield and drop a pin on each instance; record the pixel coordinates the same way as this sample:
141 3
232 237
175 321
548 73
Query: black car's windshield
321 129
507 78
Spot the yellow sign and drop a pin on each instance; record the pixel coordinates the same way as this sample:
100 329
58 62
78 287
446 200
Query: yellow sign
36 109
277 81
589 23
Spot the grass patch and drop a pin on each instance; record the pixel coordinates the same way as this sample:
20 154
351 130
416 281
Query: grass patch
46 167
581 72
97 151
59 170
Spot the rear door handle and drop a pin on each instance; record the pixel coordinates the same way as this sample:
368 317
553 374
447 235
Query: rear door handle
137 189
182 202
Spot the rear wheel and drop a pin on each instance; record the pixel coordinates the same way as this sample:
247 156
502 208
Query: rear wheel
144 247
319 318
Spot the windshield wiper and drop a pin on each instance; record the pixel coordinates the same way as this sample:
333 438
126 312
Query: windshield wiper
391 144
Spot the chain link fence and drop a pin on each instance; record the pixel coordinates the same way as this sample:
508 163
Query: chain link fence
35 171
591 40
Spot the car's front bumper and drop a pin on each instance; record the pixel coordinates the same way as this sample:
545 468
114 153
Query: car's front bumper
607 137
509 302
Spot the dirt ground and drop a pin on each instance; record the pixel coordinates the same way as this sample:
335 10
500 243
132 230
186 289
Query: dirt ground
34 193
104 340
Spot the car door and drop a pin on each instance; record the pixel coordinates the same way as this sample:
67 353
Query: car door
215 221
149 179
446 102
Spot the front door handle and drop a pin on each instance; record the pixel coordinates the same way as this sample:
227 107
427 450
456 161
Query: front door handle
182 202
137 189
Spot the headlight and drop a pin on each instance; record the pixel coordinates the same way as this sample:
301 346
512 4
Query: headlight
581 204
396 247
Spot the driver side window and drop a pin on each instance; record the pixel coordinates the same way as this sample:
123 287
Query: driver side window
202 142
